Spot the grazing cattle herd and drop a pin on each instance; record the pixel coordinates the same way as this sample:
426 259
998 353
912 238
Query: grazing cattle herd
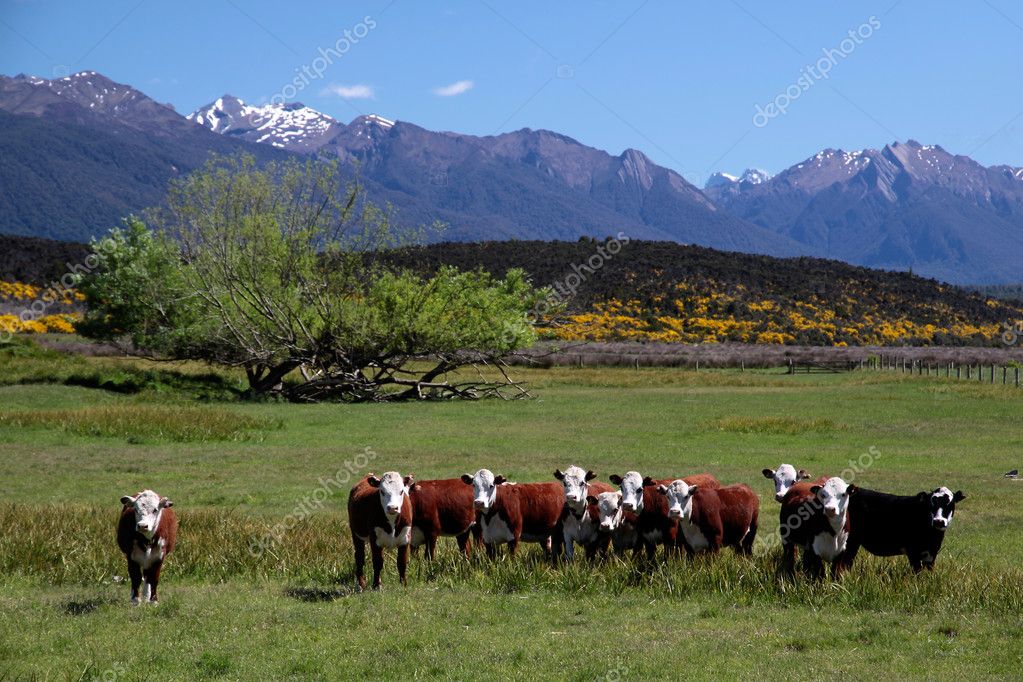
827 520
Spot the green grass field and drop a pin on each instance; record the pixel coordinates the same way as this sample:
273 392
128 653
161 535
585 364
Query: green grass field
68 452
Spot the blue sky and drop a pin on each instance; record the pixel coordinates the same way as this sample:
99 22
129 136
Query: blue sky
679 80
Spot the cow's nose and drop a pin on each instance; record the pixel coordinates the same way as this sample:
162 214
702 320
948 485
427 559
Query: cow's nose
480 506
674 513
940 523
605 527
779 497
628 506
392 509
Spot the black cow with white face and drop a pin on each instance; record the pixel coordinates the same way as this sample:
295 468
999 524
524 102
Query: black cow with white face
890 525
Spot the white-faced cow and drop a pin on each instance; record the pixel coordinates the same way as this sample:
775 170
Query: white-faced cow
817 519
710 518
614 528
580 523
380 512
647 510
442 507
509 513
786 476
890 525
146 533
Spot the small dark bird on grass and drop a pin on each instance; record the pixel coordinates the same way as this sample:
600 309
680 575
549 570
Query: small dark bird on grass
1013 474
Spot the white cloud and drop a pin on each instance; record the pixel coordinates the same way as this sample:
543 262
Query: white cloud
456 88
349 91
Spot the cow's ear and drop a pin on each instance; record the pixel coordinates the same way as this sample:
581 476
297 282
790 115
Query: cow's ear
815 489
615 478
693 488
923 496
127 499
590 499
498 480
558 475
958 496
409 480
801 475
590 475
768 473
467 479
647 481
852 489
663 489
164 503
373 480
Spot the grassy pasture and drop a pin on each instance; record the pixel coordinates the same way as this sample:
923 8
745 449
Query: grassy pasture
287 609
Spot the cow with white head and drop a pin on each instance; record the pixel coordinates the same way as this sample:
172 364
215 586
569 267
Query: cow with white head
631 485
580 522
146 534
829 543
380 512
911 525
508 513
484 488
710 518
784 477
612 521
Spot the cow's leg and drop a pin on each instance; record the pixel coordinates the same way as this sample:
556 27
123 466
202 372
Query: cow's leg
915 563
135 575
464 544
788 558
377 553
403 560
360 562
813 564
491 551
569 549
558 545
746 546
152 576
431 547
513 544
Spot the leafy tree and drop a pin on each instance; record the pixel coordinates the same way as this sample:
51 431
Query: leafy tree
277 269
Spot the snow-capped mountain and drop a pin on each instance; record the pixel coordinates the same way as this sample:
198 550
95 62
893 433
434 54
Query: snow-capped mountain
752 176
291 125
904 205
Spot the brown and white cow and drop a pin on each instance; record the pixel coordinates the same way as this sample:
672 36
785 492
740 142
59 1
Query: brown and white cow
616 527
647 509
509 513
580 522
710 518
786 476
442 507
146 533
380 512
816 519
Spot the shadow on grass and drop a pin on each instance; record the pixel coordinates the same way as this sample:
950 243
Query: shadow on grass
74 607
320 594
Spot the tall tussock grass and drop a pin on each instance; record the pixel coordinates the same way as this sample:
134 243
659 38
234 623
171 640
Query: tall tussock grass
139 422
312 558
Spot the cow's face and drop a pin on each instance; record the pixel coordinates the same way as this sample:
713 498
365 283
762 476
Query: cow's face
632 491
392 489
148 506
833 497
609 510
484 488
784 477
943 506
576 482
680 498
